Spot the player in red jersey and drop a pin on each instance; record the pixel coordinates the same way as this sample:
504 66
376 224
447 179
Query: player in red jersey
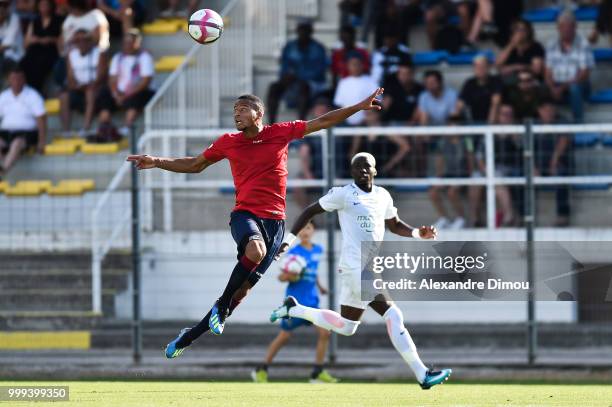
258 160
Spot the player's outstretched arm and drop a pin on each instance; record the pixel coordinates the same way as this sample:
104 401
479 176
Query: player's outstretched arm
399 227
339 115
184 165
302 220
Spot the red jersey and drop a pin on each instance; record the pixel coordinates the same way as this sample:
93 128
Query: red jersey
259 166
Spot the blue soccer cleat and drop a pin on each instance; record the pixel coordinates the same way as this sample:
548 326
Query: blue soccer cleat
216 323
283 311
171 350
435 377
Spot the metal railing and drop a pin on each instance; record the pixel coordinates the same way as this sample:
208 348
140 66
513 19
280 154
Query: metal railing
180 143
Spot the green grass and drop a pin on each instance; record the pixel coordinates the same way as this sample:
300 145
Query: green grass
191 394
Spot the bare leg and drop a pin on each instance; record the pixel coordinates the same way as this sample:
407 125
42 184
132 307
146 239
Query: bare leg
15 150
65 110
281 340
505 204
455 199
435 195
90 104
130 117
474 199
322 345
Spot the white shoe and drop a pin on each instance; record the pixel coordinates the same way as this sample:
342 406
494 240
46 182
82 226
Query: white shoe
441 223
458 223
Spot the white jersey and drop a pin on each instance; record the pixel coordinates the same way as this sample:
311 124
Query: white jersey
362 218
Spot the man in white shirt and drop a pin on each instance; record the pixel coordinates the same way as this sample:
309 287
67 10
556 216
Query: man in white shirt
87 68
354 88
24 122
364 210
131 72
81 17
11 38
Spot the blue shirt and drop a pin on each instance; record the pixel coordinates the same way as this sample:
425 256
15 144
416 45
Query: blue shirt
438 109
305 289
307 64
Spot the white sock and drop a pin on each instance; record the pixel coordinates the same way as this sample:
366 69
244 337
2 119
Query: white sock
403 342
326 319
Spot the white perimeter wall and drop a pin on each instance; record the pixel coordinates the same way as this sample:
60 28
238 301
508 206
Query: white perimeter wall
183 274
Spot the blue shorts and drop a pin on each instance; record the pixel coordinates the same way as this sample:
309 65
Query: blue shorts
289 324
246 227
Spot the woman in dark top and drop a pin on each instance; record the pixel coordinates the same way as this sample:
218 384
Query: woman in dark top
42 44
522 52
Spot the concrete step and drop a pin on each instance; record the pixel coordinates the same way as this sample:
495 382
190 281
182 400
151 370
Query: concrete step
115 334
48 321
70 262
55 300
115 280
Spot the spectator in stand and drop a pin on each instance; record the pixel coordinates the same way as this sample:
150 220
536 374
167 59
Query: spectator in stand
42 41
87 72
11 38
508 163
355 87
131 72
397 14
437 102
437 14
603 25
82 17
454 159
25 10
351 12
174 9
24 123
122 15
569 60
390 150
61 7
340 55
387 59
481 94
552 154
310 153
401 97
526 96
302 75
523 52
483 21
399 109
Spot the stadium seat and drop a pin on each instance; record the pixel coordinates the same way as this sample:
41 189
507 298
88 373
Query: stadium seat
169 63
601 97
602 54
429 57
3 186
60 149
542 15
591 187
180 23
72 187
106 148
466 58
160 27
586 13
606 140
52 106
586 139
411 188
28 188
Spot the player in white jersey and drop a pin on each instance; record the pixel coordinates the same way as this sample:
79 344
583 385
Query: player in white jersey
364 210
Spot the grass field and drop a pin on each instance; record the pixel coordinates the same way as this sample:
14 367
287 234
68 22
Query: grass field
149 393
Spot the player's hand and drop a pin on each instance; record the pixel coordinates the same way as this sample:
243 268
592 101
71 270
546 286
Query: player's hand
281 250
323 290
428 232
142 162
371 102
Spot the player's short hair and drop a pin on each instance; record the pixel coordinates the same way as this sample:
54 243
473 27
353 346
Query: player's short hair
255 100
367 156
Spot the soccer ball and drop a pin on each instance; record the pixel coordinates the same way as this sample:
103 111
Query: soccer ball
205 26
293 265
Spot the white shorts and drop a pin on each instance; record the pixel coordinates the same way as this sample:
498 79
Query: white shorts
350 289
